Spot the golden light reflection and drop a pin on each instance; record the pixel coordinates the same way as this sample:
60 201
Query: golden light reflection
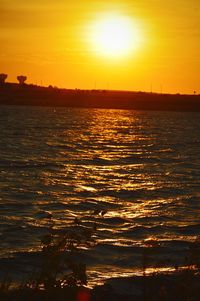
96 277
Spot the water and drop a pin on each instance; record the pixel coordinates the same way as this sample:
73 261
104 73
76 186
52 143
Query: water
134 174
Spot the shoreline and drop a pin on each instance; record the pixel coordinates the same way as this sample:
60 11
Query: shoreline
31 95
174 286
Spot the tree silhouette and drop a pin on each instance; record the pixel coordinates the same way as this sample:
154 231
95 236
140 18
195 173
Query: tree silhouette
21 79
3 78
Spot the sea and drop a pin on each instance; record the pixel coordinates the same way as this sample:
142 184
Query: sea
129 178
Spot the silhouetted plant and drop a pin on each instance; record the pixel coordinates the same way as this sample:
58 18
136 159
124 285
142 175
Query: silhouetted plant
59 256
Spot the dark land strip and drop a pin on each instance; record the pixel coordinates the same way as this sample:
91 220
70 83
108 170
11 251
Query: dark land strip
31 95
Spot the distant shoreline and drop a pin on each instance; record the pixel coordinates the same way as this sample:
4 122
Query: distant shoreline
32 95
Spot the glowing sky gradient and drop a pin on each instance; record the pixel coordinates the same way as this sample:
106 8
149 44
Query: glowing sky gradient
48 41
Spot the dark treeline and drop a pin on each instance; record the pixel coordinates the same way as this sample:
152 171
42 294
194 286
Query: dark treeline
14 94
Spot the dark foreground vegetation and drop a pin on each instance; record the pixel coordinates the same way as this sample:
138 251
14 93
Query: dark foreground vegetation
22 94
62 274
183 286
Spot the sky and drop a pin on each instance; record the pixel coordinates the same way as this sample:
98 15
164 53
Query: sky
51 43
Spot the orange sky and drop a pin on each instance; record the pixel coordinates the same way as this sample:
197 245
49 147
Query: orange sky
49 42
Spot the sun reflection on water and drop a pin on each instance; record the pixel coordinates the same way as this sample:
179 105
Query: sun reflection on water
120 171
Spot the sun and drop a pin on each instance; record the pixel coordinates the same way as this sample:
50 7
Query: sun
115 36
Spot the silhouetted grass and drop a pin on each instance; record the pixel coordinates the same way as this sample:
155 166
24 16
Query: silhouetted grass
62 277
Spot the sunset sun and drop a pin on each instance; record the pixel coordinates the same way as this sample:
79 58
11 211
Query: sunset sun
115 36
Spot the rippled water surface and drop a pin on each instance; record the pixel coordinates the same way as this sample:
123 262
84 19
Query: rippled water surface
134 175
